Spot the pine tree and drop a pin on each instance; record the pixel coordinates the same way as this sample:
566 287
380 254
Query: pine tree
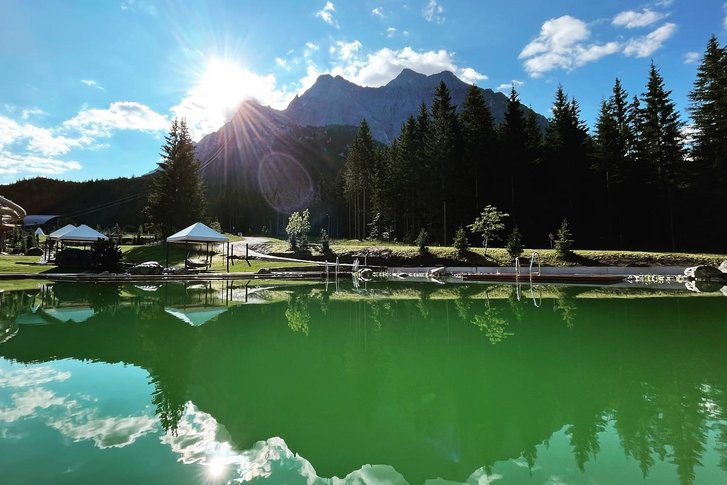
358 176
568 152
709 106
661 146
176 194
443 151
479 143
513 154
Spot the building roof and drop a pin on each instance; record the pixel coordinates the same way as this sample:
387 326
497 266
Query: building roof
197 232
38 219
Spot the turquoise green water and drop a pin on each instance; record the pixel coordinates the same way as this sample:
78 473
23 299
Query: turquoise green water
388 384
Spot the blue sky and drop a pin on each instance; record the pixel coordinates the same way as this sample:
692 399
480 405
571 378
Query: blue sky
88 88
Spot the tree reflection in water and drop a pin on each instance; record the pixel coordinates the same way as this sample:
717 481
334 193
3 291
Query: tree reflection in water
411 388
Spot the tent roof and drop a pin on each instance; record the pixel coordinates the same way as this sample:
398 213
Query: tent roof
196 316
197 232
82 233
58 233
39 232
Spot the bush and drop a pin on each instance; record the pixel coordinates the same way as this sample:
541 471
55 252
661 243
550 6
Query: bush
421 241
298 228
105 255
325 241
514 244
461 244
564 242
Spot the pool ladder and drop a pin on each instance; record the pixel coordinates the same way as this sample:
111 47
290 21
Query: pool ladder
534 257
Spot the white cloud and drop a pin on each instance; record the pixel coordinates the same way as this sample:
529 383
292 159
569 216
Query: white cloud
32 376
26 402
346 50
692 57
139 6
14 164
664 3
120 115
390 32
432 12
648 44
282 63
506 87
326 14
562 43
385 64
38 140
724 21
109 432
378 12
29 112
632 19
92 84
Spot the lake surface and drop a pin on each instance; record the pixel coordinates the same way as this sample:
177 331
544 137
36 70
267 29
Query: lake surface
209 383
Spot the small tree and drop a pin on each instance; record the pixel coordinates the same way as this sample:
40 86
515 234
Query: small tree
564 243
461 244
489 223
421 241
298 229
325 241
514 244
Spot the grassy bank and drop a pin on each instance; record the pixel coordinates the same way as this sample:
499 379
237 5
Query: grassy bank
393 254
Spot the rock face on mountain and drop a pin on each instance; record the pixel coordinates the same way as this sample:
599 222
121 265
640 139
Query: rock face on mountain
336 101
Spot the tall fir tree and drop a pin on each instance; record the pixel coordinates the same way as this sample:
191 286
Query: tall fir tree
479 145
358 175
176 194
513 154
708 108
661 148
443 151
568 153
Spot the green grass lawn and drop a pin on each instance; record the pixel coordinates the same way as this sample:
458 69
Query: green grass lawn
141 254
498 256
13 264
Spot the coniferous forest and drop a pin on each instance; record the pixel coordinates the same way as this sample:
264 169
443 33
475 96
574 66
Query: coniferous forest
643 178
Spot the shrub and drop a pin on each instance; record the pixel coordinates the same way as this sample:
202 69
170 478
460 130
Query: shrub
105 255
325 241
421 241
514 244
461 244
564 242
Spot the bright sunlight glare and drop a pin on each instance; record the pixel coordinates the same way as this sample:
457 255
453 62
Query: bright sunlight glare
220 88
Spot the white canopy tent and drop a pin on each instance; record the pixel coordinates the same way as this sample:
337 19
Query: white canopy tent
72 234
81 234
59 232
198 233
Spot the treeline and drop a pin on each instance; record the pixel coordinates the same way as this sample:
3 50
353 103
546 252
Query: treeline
642 179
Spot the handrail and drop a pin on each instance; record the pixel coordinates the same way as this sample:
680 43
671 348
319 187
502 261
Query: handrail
533 257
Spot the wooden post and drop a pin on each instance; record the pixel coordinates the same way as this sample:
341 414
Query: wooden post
228 256
247 250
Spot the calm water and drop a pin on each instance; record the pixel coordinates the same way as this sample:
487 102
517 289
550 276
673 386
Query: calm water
393 384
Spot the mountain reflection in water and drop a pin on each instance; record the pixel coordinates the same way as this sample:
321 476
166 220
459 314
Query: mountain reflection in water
422 381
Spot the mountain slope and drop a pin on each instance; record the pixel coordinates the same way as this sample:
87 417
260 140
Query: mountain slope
336 101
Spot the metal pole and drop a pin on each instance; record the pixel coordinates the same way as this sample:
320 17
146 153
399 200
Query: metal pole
246 252
228 256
